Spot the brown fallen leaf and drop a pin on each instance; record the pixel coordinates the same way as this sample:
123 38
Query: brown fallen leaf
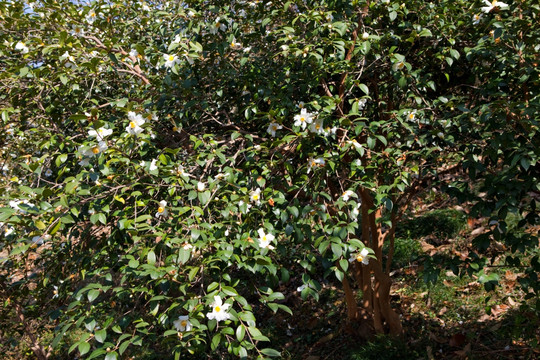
497 310
463 353
478 231
324 339
429 352
434 337
428 248
443 310
484 317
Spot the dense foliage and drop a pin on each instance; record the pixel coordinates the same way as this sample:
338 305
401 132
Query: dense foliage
168 164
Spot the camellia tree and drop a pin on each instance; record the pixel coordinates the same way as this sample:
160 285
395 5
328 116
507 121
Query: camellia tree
167 164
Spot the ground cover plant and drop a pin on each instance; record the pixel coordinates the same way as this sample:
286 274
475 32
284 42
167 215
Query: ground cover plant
185 178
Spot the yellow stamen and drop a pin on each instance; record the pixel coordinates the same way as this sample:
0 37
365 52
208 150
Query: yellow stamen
132 125
95 150
183 323
160 209
359 258
217 309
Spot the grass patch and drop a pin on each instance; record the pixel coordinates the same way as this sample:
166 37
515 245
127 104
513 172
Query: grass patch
445 223
382 348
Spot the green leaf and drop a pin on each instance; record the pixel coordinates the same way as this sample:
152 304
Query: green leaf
123 346
393 15
215 341
133 263
101 335
337 250
83 347
425 33
256 334
111 356
270 352
364 88
240 332
92 295
151 257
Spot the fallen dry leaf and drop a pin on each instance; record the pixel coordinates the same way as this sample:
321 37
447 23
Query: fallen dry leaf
463 353
434 337
443 310
497 310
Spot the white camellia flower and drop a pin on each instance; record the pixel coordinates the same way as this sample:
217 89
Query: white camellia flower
8 230
317 127
265 240
70 63
218 25
77 30
48 173
219 310
476 19
365 36
100 133
330 131
15 204
91 17
235 44
177 39
315 162
272 128
170 60
347 194
135 122
241 203
360 257
181 171
153 165
201 186
90 151
355 143
255 196
362 103
492 5
162 209
303 119
411 115
356 212
398 65
182 324
20 46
